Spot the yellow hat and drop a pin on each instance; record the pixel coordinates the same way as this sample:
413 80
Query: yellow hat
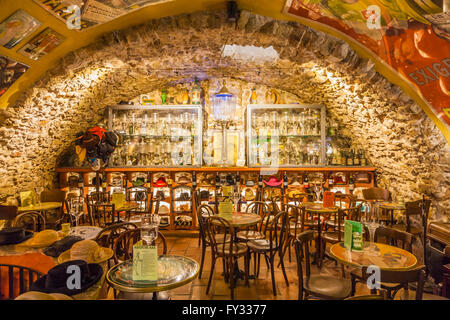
81 152
43 239
87 250
36 295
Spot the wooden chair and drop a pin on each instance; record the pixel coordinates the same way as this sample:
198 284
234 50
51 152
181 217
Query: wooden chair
259 231
271 247
108 236
316 285
102 215
32 221
140 196
54 218
8 213
225 246
295 226
376 194
394 277
16 286
332 237
98 197
203 213
381 296
297 199
414 209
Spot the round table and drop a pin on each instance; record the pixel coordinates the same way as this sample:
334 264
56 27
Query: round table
389 258
173 272
319 209
390 207
240 219
40 207
85 232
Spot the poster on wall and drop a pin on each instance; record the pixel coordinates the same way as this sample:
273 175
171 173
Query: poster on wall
411 36
42 44
94 12
17 27
10 71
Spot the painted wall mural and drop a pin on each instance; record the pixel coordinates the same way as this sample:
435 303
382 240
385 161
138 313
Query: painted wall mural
90 13
412 36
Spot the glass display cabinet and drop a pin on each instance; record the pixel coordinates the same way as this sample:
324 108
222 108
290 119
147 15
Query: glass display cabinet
157 136
290 135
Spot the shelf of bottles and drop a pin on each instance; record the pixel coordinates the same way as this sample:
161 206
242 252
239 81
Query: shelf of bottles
157 136
339 151
286 135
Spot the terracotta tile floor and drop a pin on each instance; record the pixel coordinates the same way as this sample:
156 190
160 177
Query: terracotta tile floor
260 289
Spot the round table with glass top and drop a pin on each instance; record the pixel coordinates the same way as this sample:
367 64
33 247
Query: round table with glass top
382 255
240 219
173 272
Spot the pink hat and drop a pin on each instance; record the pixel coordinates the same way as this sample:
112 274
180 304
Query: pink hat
273 182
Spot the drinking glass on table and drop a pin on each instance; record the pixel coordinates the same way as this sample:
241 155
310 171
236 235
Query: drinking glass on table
235 197
149 228
76 208
372 225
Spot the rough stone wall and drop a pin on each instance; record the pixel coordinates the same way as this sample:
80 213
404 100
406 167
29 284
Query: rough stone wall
395 133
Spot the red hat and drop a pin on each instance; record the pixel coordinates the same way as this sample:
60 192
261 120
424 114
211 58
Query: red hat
273 182
161 182
98 131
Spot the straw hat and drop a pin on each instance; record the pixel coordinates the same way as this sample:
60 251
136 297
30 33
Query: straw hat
36 295
43 239
87 250
163 209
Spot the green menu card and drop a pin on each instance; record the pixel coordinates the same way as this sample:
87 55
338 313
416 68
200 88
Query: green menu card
145 262
351 227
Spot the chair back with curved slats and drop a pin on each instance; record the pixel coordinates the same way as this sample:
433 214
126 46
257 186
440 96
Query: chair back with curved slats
32 221
261 208
301 245
123 246
277 231
138 195
18 278
53 196
394 237
414 208
298 198
296 219
376 194
226 240
8 213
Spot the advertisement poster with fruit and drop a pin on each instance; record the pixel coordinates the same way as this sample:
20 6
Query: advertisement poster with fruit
411 36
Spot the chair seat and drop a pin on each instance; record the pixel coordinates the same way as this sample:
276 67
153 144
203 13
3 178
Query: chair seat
327 287
238 249
332 237
250 235
402 227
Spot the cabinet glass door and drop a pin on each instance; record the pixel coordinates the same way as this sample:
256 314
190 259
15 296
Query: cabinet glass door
285 135
157 136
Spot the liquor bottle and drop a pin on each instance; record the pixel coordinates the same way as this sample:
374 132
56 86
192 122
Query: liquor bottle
148 183
80 182
163 96
330 181
194 180
285 181
306 182
125 183
131 127
363 160
357 159
104 182
254 97
351 184
196 92
186 97
260 181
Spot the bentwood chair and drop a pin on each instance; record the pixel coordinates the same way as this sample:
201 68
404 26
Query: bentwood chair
225 246
381 296
395 277
8 213
33 221
18 278
259 231
414 209
295 226
378 194
271 247
140 196
316 285
103 215
54 218
204 211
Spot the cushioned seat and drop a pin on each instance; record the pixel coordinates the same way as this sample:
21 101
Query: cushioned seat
332 237
327 287
238 248
250 235
261 244
411 295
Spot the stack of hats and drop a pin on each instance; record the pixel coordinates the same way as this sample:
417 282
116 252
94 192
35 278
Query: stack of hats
96 145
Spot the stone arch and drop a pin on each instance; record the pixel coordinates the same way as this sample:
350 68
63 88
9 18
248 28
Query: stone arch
410 152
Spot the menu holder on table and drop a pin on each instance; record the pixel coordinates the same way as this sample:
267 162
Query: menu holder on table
27 198
145 262
226 208
118 199
353 235
226 191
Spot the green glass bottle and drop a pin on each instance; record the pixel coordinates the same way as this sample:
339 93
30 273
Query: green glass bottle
164 96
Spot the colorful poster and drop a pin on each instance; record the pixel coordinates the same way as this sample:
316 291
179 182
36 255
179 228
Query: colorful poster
10 71
17 27
93 12
42 44
412 36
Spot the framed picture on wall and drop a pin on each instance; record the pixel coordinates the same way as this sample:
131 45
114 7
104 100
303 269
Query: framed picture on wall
17 27
42 44
10 71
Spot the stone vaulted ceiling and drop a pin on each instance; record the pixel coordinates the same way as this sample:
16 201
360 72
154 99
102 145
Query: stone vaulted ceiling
411 153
